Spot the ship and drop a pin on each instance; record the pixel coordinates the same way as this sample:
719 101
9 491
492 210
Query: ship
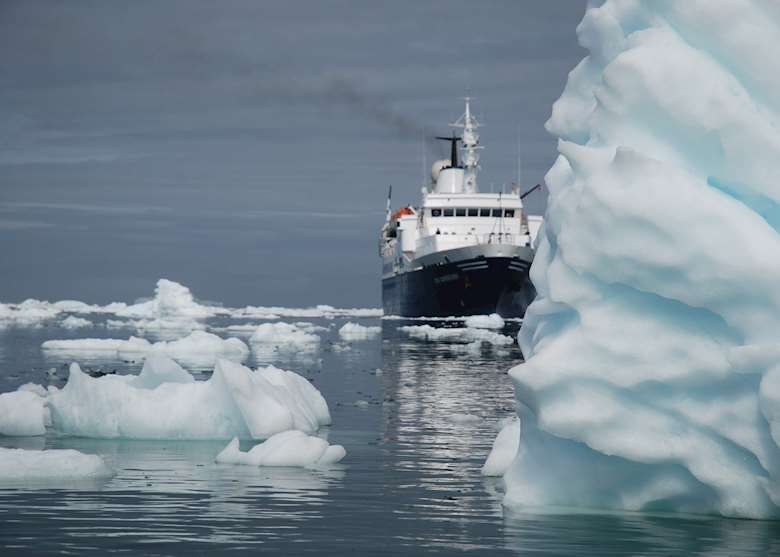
461 251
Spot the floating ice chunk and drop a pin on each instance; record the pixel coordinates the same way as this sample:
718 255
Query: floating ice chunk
456 334
19 465
362 404
504 450
171 301
199 348
73 322
106 347
650 382
289 448
22 413
492 321
234 402
311 327
285 337
355 331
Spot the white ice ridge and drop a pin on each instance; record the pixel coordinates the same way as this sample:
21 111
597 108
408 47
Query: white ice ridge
166 402
456 334
289 448
652 373
199 348
354 331
19 465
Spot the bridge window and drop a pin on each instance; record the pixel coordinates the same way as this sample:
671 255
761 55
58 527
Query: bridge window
448 212
435 212
497 213
460 212
483 212
509 213
473 212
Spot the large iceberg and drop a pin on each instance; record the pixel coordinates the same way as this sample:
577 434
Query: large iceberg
652 373
166 402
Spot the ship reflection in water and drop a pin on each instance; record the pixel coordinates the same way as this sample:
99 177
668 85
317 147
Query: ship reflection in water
410 483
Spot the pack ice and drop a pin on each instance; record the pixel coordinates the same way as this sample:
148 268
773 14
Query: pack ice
165 402
652 373
198 349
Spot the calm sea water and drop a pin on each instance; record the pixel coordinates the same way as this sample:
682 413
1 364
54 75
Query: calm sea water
410 483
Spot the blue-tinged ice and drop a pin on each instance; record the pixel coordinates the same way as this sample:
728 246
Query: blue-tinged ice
652 373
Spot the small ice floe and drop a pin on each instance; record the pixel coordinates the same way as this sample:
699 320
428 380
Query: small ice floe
199 348
351 332
165 402
492 321
20 465
362 404
504 449
463 419
456 334
285 337
73 322
288 448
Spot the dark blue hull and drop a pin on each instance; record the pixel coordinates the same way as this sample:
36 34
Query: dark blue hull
478 286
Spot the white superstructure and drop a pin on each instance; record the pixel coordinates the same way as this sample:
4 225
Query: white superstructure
454 214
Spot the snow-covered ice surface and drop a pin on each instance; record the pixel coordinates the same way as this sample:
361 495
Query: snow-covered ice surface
22 466
165 402
199 348
355 331
653 360
289 448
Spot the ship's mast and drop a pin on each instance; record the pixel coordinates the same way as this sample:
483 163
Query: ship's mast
470 148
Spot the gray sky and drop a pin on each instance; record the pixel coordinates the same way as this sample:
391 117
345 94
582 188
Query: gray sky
244 148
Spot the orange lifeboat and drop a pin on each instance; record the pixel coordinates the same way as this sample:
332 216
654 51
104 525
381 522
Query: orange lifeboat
401 212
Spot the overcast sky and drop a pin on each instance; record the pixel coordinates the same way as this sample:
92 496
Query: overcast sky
244 148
